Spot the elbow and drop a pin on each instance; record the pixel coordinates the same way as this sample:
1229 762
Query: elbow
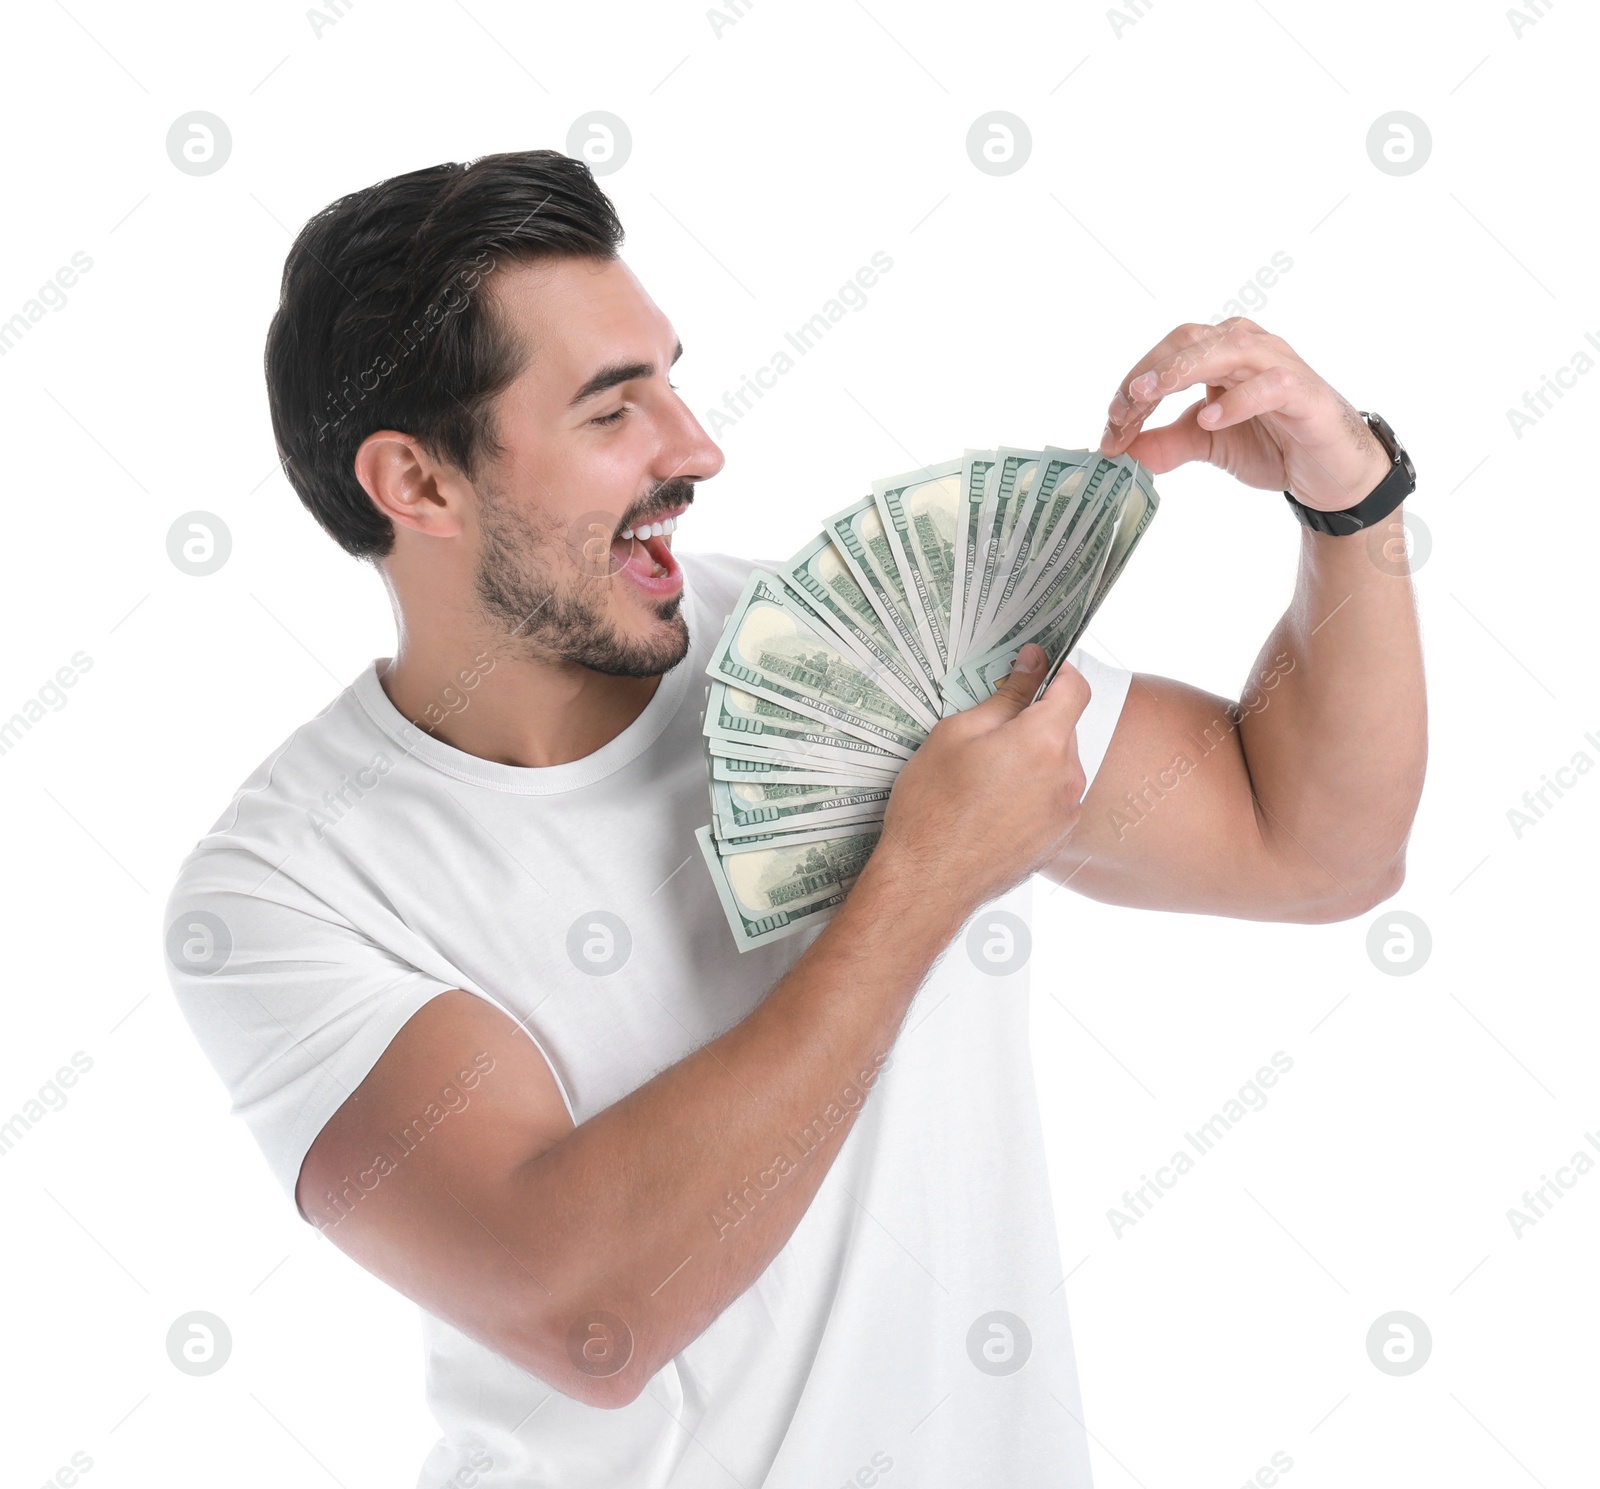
1382 884
610 1393
607 1393
594 1359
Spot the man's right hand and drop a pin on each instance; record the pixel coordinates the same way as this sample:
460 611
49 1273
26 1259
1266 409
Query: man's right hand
517 1227
994 792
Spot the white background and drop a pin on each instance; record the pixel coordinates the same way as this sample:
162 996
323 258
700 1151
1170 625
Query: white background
1171 158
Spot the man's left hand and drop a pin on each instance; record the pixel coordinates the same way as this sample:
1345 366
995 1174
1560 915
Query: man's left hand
1266 417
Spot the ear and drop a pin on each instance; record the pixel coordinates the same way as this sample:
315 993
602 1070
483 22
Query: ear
409 486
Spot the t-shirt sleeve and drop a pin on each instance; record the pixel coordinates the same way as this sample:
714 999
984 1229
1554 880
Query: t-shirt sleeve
291 1004
1108 691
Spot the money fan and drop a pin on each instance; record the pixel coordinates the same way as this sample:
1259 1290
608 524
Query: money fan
910 605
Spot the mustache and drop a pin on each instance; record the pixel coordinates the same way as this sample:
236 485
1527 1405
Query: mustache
667 497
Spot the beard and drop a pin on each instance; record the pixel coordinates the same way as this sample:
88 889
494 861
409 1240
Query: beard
533 591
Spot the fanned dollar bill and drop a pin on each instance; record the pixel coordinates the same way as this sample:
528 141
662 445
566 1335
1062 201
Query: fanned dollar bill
919 513
910 605
780 888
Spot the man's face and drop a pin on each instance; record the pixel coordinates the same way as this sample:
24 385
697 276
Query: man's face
596 444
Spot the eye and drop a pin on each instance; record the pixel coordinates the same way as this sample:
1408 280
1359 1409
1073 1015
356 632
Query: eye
611 418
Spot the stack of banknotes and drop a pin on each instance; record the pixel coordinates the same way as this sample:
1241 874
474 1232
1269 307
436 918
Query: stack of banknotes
910 605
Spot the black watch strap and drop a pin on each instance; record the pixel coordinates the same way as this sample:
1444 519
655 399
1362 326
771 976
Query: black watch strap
1393 489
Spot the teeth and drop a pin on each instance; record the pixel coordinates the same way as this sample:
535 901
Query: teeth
650 529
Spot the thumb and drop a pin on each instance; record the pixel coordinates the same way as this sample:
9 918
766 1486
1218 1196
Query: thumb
1021 683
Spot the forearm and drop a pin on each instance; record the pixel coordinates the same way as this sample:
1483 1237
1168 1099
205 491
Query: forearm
663 1208
1336 746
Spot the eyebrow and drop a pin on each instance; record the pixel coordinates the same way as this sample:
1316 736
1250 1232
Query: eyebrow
618 372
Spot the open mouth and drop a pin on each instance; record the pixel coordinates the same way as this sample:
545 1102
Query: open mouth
644 554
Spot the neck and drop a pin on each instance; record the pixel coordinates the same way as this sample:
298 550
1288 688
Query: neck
474 695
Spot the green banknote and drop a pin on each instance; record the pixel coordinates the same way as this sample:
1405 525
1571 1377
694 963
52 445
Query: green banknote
910 605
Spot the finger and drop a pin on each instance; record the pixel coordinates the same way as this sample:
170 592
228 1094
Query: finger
1019 686
1126 408
1172 445
1063 703
1191 355
1279 390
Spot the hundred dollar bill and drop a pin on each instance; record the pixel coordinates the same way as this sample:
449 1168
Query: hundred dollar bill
769 649
768 765
783 888
864 545
746 759
737 812
1136 517
777 769
919 511
1009 488
1059 566
1138 512
1098 574
1048 533
737 717
1053 627
808 757
1054 495
811 757
1066 625
975 468
819 571
825 625
755 842
1123 544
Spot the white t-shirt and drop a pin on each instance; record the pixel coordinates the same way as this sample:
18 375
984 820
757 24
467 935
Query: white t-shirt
366 867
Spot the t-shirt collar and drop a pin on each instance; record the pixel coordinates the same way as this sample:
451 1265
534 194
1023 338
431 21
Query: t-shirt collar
530 780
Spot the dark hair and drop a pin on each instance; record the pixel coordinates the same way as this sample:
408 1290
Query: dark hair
381 323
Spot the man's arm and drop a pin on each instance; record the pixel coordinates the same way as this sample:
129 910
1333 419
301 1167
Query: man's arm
590 1255
1295 802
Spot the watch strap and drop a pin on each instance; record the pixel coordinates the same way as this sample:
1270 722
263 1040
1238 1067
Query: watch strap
1393 489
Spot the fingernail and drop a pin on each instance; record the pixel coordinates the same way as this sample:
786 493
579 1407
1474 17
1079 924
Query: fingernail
1143 385
1120 409
1030 658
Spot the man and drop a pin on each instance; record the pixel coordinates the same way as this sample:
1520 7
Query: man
778 1218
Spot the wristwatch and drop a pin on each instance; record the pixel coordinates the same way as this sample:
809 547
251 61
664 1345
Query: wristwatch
1393 489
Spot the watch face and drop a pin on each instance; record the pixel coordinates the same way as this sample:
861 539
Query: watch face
1390 442
1377 424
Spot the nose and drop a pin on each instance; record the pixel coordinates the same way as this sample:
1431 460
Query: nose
690 452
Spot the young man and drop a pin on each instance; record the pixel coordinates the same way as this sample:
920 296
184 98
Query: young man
675 1215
